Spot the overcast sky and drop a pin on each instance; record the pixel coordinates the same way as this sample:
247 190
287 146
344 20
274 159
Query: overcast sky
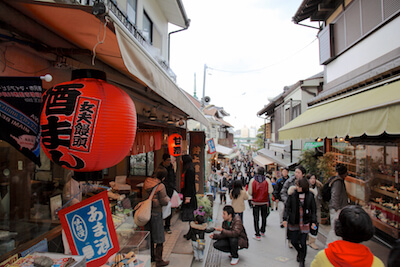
234 38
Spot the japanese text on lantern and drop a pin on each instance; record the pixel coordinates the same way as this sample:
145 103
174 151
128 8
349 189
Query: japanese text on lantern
60 103
175 145
196 162
84 122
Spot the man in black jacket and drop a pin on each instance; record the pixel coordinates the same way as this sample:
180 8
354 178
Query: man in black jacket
170 185
277 193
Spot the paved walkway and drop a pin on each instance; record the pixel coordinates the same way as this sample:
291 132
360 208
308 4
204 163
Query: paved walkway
272 249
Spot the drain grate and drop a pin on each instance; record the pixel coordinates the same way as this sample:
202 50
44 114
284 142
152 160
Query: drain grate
213 257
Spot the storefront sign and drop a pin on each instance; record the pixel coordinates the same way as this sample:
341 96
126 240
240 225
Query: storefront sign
20 102
87 124
196 148
175 145
311 145
267 130
211 146
90 230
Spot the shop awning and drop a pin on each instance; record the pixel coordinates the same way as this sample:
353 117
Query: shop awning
233 155
262 161
371 112
223 150
120 49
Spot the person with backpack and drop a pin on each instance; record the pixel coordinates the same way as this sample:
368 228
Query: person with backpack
338 198
260 189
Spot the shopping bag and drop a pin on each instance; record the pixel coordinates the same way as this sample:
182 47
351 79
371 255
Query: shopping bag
175 200
166 210
142 211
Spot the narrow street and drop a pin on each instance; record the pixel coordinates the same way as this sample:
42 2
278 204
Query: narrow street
273 249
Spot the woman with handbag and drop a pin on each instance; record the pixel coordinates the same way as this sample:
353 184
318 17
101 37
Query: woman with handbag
300 216
156 224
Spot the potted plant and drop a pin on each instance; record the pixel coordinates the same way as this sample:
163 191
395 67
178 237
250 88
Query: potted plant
204 207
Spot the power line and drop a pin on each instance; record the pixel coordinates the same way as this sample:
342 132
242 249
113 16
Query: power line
266 67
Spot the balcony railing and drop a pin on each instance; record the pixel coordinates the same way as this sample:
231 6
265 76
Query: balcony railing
123 18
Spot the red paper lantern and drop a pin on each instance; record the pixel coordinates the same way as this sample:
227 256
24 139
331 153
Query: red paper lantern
175 145
87 124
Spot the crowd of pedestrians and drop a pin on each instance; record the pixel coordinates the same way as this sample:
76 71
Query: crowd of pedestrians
298 199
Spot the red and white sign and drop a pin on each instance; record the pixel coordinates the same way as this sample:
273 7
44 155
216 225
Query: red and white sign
90 230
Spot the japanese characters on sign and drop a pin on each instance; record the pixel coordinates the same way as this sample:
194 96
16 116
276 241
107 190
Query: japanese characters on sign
211 146
175 145
87 124
20 104
90 230
197 145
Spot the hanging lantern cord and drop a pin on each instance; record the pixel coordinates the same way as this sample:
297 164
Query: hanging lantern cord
107 20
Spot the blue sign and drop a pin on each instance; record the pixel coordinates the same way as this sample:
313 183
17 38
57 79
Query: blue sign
211 146
89 229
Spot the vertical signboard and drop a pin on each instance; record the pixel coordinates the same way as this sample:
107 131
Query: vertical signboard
211 146
196 148
267 132
90 230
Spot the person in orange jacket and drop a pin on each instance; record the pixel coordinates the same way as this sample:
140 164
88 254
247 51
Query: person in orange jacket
354 226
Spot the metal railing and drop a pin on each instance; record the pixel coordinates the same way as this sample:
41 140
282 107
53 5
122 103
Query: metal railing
113 7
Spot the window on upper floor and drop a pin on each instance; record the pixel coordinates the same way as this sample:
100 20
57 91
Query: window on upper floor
296 111
359 19
131 8
147 28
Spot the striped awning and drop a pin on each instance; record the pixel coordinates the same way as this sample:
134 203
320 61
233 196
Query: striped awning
371 112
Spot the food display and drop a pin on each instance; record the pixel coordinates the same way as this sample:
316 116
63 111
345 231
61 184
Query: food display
121 260
384 206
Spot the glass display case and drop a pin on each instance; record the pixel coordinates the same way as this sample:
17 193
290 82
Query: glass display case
373 180
134 244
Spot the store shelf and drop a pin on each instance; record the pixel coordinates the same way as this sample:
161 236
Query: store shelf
384 208
386 228
346 163
384 177
386 193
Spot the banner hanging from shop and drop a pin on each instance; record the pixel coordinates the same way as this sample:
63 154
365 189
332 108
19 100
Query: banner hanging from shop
196 148
211 146
90 230
20 104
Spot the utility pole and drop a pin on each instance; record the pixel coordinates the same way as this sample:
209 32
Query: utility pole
204 85
194 94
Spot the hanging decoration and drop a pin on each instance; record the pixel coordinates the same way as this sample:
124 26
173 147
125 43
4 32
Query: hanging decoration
87 124
146 140
175 145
